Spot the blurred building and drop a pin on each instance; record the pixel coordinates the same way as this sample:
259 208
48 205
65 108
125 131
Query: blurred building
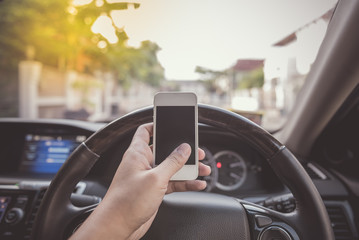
243 67
245 98
46 92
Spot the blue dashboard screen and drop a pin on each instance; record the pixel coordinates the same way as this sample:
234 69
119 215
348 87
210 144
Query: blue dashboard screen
46 154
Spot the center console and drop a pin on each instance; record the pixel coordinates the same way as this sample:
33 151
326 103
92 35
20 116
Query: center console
19 205
17 212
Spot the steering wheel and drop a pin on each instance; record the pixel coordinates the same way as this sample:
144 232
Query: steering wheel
194 215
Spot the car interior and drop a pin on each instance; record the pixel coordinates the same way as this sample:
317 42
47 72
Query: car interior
298 182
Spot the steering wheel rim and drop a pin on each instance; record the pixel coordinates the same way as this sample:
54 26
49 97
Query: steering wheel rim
309 221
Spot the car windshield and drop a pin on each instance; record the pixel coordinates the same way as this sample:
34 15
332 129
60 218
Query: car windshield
97 60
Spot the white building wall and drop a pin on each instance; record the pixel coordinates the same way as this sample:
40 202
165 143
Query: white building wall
29 77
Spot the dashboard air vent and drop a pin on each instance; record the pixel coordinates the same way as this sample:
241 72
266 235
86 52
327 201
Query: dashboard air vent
339 223
33 213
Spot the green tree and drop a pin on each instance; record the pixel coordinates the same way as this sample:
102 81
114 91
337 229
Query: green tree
210 77
136 64
60 34
253 79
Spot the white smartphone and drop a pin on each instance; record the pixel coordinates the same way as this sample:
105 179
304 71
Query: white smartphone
176 122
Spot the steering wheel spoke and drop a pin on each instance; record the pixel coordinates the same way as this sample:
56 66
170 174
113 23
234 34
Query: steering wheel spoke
199 215
269 224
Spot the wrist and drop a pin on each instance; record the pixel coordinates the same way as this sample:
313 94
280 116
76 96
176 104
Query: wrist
106 222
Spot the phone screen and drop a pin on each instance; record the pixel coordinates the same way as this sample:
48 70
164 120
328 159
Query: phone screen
174 125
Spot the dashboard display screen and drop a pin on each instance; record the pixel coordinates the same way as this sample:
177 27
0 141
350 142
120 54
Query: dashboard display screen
46 154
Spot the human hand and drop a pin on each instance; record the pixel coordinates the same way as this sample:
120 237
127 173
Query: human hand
137 190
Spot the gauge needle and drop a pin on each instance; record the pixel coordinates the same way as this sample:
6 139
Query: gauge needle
233 175
236 164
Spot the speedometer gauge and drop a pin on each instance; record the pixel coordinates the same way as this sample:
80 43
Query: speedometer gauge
232 170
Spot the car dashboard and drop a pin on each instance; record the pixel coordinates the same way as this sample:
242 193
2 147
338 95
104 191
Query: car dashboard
32 151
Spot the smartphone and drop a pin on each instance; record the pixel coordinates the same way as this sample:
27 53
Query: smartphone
176 122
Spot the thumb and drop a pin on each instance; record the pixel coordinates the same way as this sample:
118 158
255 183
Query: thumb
174 161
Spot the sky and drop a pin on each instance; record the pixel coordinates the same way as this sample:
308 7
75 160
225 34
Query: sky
214 34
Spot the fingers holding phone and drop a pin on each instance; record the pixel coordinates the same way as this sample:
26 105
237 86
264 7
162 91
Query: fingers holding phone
174 162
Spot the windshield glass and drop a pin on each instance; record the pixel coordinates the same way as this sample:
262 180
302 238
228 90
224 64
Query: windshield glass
96 60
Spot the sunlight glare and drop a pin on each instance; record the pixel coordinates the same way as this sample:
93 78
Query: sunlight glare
72 10
103 26
81 2
102 44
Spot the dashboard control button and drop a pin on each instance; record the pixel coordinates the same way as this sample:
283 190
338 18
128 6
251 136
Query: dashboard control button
7 235
279 207
285 204
269 202
22 200
289 208
274 232
263 221
14 215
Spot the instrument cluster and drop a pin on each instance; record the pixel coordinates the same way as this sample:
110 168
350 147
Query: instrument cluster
230 170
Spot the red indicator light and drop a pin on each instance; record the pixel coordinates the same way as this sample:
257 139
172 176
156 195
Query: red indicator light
219 165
